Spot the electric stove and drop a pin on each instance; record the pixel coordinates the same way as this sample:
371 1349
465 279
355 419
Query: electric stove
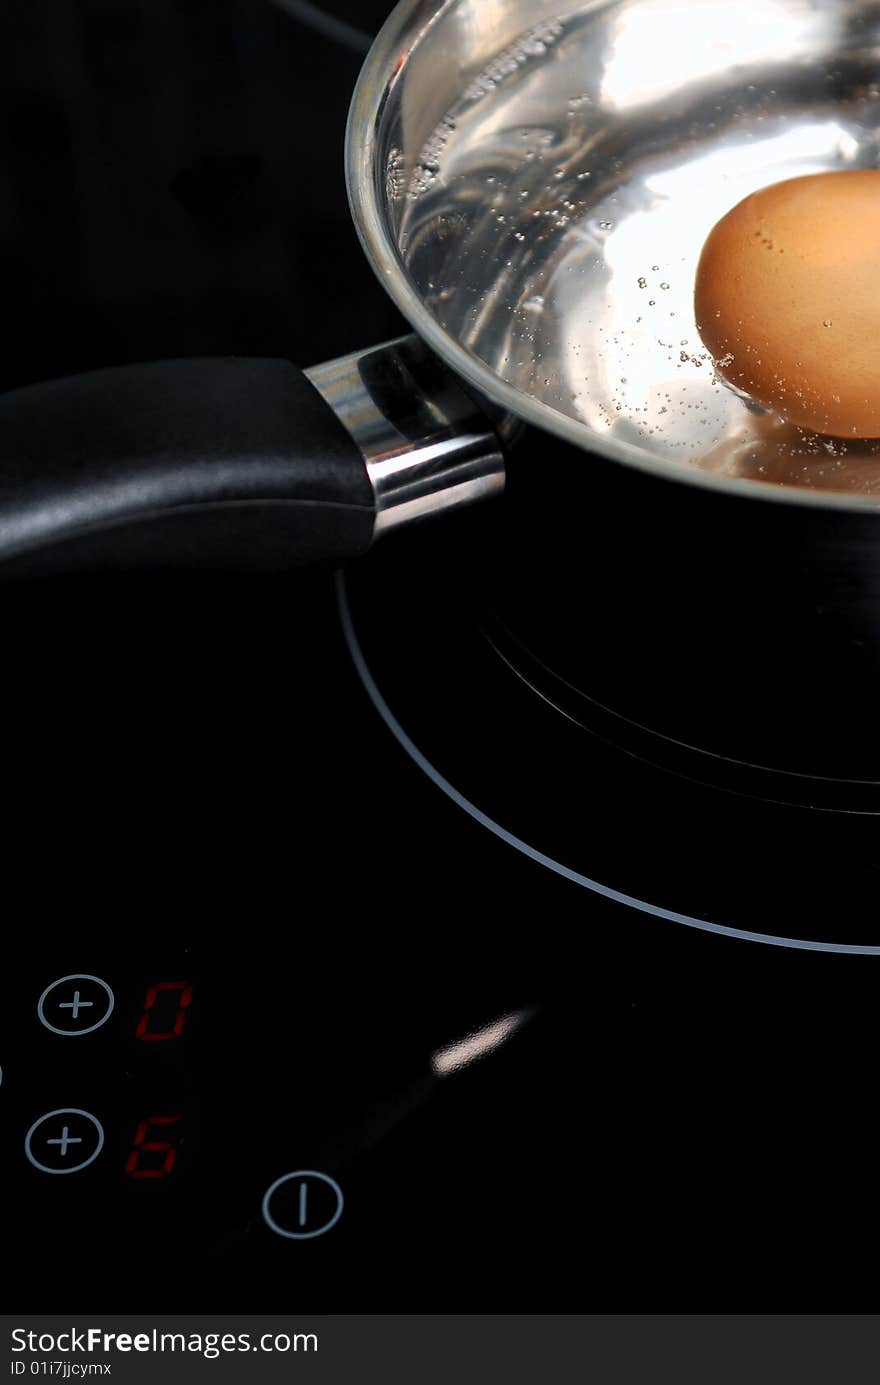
354 960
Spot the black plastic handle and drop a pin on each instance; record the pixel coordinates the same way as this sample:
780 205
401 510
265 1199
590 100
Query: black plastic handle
236 464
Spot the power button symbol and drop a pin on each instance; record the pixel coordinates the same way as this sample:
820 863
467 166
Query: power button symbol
302 1204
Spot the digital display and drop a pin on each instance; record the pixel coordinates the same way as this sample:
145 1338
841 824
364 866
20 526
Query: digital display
155 1144
166 1006
154 1148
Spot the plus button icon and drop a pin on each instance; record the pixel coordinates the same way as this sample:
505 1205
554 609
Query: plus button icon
78 1143
65 1140
75 1005
87 1005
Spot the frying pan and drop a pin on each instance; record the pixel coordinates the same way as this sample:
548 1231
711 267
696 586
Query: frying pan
532 181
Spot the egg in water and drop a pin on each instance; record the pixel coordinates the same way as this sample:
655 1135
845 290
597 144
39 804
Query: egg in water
787 300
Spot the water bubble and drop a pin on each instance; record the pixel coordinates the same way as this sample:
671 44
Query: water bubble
664 286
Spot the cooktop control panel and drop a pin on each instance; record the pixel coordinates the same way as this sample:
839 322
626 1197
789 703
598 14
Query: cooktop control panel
235 1116
69 1139
99 1101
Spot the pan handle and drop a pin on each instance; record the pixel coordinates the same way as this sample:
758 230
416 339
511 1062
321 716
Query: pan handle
233 464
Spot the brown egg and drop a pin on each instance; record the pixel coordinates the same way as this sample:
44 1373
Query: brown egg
787 300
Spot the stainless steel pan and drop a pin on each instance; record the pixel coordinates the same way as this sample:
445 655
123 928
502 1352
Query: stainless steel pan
532 180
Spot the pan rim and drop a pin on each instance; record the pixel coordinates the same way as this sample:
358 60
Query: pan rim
407 24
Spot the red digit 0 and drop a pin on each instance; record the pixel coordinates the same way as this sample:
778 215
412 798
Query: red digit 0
142 1145
143 1030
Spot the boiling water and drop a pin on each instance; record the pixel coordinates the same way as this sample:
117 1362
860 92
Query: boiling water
554 220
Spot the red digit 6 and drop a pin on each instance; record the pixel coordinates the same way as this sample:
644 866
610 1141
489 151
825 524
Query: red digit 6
142 1146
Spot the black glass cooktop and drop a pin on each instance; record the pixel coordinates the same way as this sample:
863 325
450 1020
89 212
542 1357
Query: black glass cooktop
346 966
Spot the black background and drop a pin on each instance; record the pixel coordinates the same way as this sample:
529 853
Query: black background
172 185
193 779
